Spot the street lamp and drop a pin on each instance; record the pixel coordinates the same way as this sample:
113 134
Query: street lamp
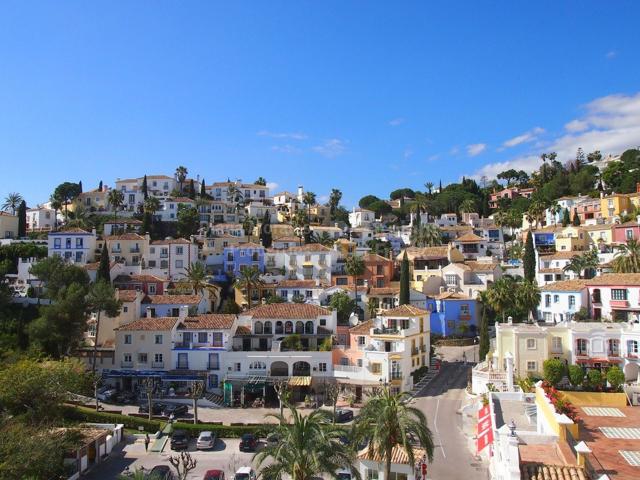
512 427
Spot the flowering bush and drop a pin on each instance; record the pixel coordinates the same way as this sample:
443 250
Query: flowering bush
559 403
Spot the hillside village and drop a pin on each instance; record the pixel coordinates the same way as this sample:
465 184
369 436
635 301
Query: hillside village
239 288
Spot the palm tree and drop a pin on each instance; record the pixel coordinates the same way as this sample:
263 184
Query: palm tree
308 447
323 239
309 199
354 265
555 209
372 307
197 277
11 202
56 204
115 198
151 205
627 258
579 263
500 295
467 206
535 212
249 280
181 175
427 235
387 421
429 187
528 296
101 298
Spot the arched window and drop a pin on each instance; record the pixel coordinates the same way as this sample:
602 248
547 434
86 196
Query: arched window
308 328
257 328
299 327
268 327
278 327
288 327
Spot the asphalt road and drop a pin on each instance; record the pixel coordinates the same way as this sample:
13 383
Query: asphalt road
441 400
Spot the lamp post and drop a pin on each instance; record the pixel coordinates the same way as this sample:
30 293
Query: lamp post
512 427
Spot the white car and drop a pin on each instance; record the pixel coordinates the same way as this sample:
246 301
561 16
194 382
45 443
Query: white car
206 441
106 394
245 473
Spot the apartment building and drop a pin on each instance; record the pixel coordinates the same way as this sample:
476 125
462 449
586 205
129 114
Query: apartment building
615 296
378 272
128 249
305 262
426 263
40 219
171 257
469 277
73 244
244 255
560 301
361 217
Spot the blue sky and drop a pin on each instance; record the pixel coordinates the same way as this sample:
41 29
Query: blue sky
362 96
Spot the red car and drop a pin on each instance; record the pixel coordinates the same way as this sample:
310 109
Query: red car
214 475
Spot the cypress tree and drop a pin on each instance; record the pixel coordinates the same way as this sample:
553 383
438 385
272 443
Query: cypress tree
103 269
22 219
529 260
203 190
266 238
484 334
192 190
100 186
404 280
80 186
566 220
147 222
576 218
145 188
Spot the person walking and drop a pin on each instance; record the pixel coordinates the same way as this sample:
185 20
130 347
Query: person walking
147 440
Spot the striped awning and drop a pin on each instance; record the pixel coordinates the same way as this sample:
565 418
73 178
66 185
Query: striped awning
398 455
299 381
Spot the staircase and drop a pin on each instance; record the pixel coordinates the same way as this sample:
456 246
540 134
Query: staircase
214 398
424 381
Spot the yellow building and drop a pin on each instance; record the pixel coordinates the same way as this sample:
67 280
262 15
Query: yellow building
8 225
572 239
616 204
93 200
598 235
128 248
426 263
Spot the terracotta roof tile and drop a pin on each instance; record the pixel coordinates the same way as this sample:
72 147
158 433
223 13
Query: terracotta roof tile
560 255
564 286
628 279
125 236
469 237
242 330
298 284
172 299
171 241
209 321
540 471
451 296
158 323
287 310
310 247
361 328
481 266
127 295
405 311
398 455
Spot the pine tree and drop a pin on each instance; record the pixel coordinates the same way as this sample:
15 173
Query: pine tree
266 238
192 190
203 190
404 280
145 188
529 259
576 218
103 269
566 219
22 219
484 334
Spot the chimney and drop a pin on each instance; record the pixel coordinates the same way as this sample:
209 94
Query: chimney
184 312
149 314
300 192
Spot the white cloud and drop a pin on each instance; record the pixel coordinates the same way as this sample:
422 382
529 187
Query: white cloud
330 148
526 137
322 199
454 150
272 186
611 54
286 149
287 135
433 158
408 153
476 149
610 124
396 121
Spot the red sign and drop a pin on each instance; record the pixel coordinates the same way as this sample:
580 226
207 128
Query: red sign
484 412
484 428
424 470
483 440
484 424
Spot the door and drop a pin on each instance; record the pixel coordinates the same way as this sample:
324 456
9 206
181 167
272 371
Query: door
262 344
246 344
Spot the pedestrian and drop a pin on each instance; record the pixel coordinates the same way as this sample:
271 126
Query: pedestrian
147 440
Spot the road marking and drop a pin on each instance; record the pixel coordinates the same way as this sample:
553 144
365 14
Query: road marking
435 425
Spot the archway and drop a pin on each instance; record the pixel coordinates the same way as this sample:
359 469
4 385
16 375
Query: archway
279 369
301 369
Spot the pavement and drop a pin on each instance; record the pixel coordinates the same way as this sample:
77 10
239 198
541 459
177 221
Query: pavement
442 400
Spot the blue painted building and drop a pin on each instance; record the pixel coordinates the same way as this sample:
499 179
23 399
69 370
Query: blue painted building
242 256
449 311
544 240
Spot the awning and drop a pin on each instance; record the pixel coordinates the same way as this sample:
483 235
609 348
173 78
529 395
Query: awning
132 373
299 381
181 378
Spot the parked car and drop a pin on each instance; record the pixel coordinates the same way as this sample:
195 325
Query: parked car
206 441
175 409
214 475
273 439
127 398
245 473
179 440
248 443
344 474
344 415
160 472
107 395
156 408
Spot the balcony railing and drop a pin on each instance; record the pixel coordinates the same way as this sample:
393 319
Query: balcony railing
213 366
157 364
116 250
134 250
182 366
125 364
386 331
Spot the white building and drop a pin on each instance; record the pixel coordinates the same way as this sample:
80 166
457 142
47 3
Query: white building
171 257
74 245
41 219
361 217
305 262
560 301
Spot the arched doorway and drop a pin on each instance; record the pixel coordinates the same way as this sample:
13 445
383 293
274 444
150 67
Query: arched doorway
301 369
279 369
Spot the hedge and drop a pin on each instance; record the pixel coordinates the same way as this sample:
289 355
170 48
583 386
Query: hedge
84 414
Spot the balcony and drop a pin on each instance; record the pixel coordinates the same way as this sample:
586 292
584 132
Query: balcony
116 250
619 303
213 366
157 364
134 250
164 255
415 351
125 364
386 331
182 366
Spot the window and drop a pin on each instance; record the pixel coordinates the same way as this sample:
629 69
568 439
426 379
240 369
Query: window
322 367
361 340
531 366
126 357
217 339
629 234
371 474
158 339
618 294
556 298
56 242
572 301
464 309
323 322
142 358
152 288
632 347
202 337
237 367
341 281
531 343
581 345
376 368
179 250
556 344
547 300
214 361
178 263
158 358
78 242
127 339
451 279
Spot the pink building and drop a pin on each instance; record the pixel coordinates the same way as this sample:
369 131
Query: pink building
509 193
588 209
624 232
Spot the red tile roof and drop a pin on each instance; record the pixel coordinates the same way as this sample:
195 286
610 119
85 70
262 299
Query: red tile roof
298 284
405 311
361 328
158 323
127 295
627 279
287 310
168 241
209 321
125 236
172 299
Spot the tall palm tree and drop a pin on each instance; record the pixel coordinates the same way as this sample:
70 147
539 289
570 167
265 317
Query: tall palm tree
79 217
56 204
11 202
308 447
500 295
197 277
535 213
151 205
323 239
181 175
426 235
555 209
627 258
249 280
309 199
372 307
115 198
528 296
355 267
467 206
429 187
580 263
387 421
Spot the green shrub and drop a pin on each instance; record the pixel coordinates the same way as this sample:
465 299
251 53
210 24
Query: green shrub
595 379
615 377
576 375
553 370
